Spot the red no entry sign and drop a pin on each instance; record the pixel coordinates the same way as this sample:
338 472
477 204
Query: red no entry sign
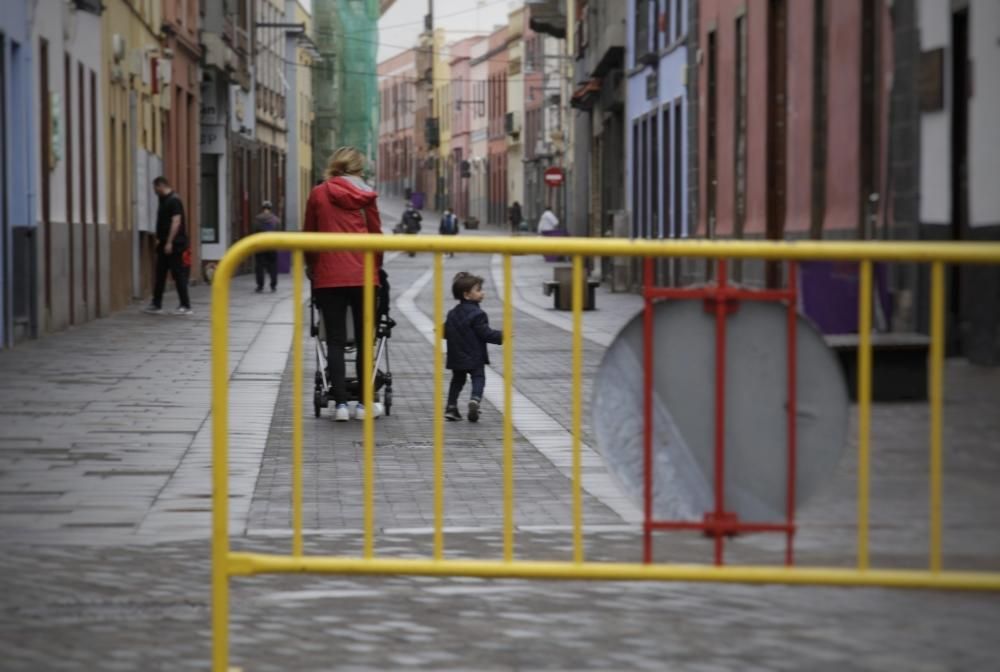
554 176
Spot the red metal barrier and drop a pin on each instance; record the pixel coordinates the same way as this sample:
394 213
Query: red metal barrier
721 300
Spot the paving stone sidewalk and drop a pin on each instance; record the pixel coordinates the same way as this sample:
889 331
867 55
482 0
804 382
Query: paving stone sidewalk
146 607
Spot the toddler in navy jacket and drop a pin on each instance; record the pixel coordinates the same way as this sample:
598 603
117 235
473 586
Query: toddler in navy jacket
467 331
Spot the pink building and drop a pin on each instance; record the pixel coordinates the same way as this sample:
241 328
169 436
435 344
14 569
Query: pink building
463 107
397 164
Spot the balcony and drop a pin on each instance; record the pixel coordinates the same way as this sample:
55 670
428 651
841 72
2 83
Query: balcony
512 124
548 17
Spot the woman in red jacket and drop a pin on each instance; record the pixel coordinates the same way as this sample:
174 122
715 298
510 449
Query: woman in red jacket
344 203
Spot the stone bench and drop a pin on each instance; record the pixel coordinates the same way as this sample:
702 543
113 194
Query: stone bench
899 364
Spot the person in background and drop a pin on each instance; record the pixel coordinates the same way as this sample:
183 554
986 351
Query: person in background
548 221
266 261
171 243
449 225
344 203
515 216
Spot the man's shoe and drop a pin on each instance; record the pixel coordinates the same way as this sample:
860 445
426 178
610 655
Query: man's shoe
181 310
153 309
274 288
451 413
474 410
258 290
341 413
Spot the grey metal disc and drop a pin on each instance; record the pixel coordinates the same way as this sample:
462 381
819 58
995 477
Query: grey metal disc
684 402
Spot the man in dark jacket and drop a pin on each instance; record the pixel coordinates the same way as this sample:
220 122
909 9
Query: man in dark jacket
266 262
467 331
171 243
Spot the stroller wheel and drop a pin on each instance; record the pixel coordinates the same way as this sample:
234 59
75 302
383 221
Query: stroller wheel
317 403
388 402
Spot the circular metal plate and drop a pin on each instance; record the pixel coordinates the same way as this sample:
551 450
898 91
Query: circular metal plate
684 411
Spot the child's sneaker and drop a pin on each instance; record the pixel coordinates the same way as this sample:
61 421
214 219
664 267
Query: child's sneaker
341 413
451 413
474 410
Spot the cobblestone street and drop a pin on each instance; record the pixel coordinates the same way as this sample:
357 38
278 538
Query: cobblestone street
105 502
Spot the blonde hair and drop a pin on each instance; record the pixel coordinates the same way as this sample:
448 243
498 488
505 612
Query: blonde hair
346 161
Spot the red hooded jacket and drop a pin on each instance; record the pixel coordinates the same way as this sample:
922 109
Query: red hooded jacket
341 205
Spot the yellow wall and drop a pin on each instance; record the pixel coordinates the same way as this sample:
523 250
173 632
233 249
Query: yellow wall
306 115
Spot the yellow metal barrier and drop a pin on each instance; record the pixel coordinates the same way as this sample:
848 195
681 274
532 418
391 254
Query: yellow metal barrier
226 563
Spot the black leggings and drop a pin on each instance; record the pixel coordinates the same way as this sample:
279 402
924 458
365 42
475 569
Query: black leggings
334 303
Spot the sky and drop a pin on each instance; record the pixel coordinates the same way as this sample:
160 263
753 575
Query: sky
400 27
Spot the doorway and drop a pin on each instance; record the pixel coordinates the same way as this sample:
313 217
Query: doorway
959 171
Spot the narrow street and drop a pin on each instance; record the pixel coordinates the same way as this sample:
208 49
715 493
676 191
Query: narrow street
104 476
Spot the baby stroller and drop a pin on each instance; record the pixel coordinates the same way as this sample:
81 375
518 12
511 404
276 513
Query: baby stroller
381 374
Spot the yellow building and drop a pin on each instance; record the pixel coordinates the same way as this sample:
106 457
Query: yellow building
301 55
305 57
134 100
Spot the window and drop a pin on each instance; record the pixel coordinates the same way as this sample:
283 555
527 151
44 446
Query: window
654 179
669 224
818 206
740 136
678 19
636 232
711 130
678 163
643 8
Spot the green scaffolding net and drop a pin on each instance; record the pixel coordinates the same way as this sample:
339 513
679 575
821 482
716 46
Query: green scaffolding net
345 85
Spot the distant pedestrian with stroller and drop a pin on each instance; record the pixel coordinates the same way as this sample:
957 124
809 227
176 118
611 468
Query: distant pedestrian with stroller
467 331
171 246
344 203
266 262
449 225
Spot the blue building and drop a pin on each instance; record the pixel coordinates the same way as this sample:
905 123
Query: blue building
17 169
656 174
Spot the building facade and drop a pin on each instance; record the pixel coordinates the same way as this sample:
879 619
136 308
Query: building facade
301 55
479 131
597 180
542 123
945 103
513 125
463 107
18 179
227 123
271 86
181 148
397 162
496 107
70 211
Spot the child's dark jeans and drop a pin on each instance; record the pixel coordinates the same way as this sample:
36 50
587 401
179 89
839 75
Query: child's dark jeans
458 382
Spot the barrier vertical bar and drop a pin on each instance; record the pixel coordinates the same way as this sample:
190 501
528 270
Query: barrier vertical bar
367 396
220 465
577 394
720 407
864 406
647 414
936 393
508 409
438 409
793 360
297 273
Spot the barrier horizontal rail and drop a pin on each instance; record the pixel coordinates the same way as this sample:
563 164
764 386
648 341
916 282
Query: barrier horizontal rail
226 563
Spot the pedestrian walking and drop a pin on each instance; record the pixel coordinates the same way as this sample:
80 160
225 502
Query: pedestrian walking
548 221
467 331
449 225
410 223
344 203
515 216
266 262
171 246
